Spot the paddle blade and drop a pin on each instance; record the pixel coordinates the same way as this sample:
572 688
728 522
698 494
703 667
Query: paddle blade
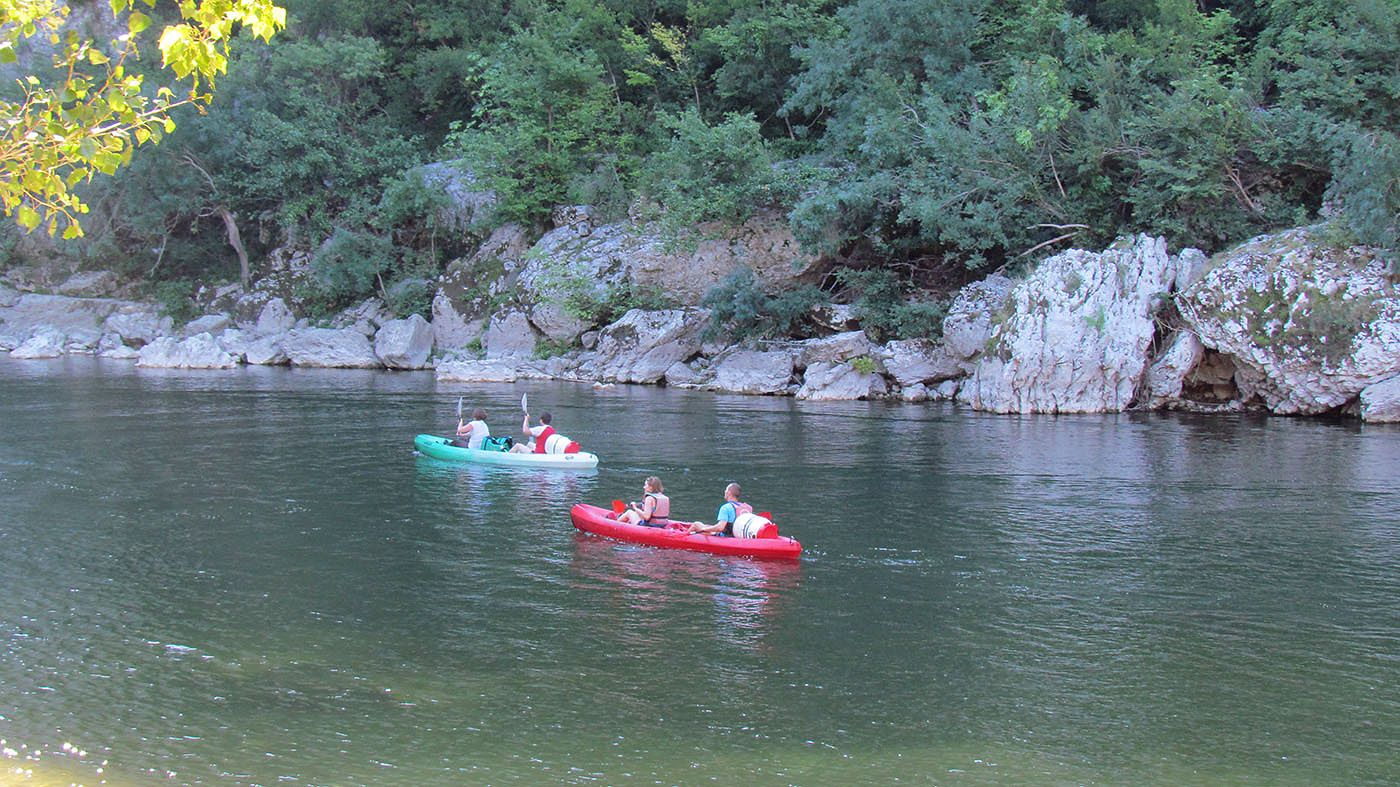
524 403
619 506
459 408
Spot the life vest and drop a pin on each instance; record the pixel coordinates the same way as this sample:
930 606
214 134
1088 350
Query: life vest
662 509
551 442
542 440
750 525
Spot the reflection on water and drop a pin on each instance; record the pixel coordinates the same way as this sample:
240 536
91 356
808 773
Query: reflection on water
250 578
643 585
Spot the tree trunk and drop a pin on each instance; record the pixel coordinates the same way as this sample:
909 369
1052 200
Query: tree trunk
236 241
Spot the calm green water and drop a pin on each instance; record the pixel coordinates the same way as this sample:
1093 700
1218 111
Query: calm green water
248 577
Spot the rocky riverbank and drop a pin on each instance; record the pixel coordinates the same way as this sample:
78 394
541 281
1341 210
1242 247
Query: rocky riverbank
1283 323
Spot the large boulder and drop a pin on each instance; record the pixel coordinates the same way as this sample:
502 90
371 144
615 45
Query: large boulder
138 327
468 202
44 343
274 318
201 351
89 284
328 347
1308 326
69 316
1166 379
830 381
1380 403
654 263
642 345
209 323
972 315
910 362
510 335
265 351
367 317
9 296
1078 333
471 289
754 372
834 349
404 344
478 371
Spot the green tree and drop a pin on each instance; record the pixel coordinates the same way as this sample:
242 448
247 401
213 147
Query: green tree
90 114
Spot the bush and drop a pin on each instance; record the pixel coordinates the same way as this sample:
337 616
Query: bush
347 268
722 172
740 309
176 299
884 312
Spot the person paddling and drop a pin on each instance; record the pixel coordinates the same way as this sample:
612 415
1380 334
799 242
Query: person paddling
655 508
470 435
543 438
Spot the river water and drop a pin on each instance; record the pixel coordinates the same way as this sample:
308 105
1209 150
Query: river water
248 577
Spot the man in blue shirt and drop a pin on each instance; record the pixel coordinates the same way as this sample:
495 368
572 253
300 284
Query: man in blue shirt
728 512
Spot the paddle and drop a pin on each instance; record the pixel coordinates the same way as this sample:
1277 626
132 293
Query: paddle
619 507
525 403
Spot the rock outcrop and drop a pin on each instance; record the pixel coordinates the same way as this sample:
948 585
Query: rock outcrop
200 351
1078 333
827 381
1380 403
404 344
642 345
327 347
1308 327
754 372
43 343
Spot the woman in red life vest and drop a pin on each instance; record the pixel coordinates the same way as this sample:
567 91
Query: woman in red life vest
654 510
543 438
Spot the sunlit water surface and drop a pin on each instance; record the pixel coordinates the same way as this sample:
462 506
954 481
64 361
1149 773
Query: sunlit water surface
248 577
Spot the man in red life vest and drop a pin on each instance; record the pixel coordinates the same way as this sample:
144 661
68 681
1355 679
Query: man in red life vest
544 439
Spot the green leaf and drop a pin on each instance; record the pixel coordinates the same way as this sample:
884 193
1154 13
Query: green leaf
137 22
7 53
28 217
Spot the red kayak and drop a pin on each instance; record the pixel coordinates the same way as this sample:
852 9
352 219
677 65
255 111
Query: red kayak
602 522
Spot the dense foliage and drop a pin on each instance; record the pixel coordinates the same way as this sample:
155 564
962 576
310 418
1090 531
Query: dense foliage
932 138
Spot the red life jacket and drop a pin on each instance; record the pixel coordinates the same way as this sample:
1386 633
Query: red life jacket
542 438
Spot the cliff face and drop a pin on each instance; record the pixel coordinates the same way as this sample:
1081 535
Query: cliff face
1283 323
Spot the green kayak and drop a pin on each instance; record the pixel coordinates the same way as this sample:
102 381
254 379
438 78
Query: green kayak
442 448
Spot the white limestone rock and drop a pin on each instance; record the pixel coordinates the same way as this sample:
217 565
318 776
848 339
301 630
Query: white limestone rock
1078 334
404 344
330 348
89 284
201 351
478 371
969 322
510 335
643 345
43 343
912 361
275 318
138 327
834 381
1169 372
265 351
834 349
753 372
1309 327
209 323
1380 403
